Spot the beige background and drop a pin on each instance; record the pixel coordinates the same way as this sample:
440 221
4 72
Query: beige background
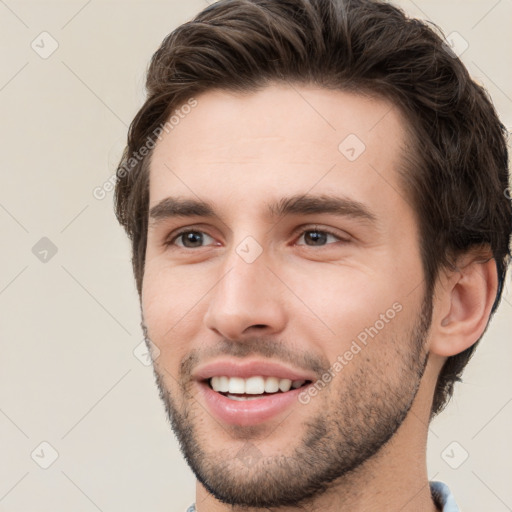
69 327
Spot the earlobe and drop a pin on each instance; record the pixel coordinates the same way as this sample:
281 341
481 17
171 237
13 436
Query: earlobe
462 305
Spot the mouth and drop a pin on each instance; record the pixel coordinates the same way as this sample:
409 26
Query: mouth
251 391
256 387
247 407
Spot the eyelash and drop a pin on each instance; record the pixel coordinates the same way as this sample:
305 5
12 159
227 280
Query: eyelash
171 241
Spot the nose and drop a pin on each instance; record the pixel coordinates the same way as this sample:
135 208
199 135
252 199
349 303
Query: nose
247 300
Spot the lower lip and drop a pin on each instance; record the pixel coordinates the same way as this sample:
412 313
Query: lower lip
247 412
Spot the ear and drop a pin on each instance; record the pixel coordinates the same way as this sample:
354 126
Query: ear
462 304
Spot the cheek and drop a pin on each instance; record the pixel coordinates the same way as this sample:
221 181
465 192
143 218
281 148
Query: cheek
340 305
341 299
173 300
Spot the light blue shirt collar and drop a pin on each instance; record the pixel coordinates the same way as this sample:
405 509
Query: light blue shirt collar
444 497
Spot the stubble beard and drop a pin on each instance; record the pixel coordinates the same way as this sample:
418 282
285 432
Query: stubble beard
360 418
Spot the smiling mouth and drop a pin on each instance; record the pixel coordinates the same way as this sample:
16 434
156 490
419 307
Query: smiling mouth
252 388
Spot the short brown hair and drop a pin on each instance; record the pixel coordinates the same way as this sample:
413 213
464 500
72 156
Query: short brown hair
457 180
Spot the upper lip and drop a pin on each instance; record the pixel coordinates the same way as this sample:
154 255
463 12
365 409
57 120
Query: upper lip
250 368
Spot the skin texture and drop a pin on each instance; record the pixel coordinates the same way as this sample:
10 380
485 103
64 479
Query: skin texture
359 444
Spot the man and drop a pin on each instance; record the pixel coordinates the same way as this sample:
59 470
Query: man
315 194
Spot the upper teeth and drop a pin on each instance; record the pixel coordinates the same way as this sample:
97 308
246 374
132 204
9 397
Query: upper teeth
253 385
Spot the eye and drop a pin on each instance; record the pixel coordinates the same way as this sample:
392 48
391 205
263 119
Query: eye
189 239
192 239
319 237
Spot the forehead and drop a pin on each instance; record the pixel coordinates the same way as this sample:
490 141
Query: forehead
280 139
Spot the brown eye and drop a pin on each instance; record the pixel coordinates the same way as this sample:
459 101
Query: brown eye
318 238
315 237
190 239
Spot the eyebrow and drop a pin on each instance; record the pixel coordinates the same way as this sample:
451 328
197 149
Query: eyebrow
300 204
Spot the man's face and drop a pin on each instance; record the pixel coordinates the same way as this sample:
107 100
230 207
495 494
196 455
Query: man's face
263 289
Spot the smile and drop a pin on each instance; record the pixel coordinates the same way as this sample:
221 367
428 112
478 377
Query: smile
252 388
246 409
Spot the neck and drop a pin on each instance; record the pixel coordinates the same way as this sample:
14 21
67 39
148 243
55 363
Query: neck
377 485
